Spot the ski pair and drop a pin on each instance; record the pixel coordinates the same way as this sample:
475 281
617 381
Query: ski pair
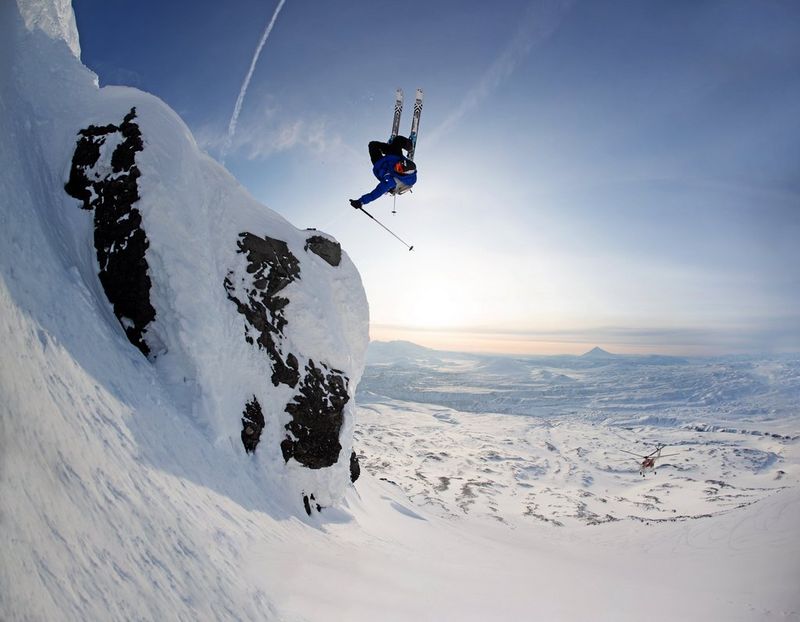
398 110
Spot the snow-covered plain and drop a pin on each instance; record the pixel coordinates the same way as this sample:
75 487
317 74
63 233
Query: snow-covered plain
491 488
535 447
545 439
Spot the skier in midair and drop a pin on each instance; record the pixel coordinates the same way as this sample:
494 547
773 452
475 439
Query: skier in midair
395 172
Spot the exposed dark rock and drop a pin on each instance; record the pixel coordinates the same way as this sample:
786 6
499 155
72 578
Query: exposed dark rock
317 417
317 409
532 511
86 155
307 499
119 240
124 155
327 249
252 425
270 267
355 468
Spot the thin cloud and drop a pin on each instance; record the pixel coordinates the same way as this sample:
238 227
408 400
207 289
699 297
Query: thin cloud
240 100
540 21
270 132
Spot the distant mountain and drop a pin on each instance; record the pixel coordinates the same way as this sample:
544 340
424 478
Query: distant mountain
598 353
504 366
397 351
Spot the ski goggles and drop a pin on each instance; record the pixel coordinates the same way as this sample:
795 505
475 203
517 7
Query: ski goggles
404 166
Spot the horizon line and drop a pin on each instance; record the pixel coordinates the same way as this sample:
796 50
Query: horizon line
630 341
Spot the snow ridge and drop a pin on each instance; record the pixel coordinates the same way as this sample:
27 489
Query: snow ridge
53 17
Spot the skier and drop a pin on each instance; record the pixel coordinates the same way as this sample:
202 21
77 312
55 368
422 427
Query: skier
395 172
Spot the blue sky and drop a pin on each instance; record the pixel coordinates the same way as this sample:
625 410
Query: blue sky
624 174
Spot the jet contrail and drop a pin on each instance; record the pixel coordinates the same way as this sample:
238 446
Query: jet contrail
238 107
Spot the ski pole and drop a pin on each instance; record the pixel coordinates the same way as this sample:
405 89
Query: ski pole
411 248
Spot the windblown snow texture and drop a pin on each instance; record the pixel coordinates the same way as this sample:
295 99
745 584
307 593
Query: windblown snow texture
105 177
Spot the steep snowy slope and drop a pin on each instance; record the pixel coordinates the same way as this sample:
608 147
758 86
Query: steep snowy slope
169 346
253 325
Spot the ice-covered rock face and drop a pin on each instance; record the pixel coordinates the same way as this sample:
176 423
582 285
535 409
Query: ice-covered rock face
258 329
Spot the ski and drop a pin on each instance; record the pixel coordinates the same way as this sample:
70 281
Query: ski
398 110
415 124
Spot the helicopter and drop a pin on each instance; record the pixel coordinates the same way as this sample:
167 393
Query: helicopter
648 462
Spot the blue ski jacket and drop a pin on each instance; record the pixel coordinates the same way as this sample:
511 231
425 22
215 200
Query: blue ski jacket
388 178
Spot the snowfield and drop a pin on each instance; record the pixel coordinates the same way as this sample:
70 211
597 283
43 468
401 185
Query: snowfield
491 488
530 451
536 446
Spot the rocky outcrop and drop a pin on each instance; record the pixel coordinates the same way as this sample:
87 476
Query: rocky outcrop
317 417
317 407
270 268
309 501
355 468
252 425
294 397
104 177
329 250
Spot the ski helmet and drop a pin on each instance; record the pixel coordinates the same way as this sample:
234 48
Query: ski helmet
405 166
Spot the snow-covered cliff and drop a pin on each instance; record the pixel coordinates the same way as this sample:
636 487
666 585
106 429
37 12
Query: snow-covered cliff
124 240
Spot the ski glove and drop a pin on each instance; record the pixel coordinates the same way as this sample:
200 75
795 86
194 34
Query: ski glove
355 203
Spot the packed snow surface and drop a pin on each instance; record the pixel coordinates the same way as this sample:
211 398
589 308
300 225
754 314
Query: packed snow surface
492 487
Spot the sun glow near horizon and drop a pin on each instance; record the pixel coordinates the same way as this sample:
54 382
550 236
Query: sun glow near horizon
653 341
484 343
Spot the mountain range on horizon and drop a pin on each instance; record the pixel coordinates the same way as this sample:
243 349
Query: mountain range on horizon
402 347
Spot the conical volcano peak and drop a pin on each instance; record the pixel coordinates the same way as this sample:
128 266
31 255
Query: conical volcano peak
598 352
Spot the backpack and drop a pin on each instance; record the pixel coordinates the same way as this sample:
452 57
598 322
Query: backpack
400 188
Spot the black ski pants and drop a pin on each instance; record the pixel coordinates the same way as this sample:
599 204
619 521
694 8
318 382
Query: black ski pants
377 149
